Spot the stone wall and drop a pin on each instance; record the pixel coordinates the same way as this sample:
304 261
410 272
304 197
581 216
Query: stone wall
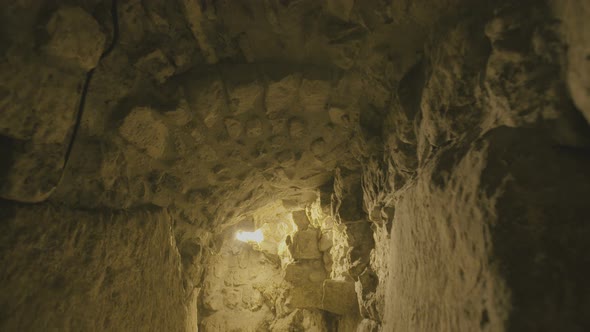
65 269
482 147
439 148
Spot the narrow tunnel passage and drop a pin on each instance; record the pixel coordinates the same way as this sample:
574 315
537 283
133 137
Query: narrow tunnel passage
401 165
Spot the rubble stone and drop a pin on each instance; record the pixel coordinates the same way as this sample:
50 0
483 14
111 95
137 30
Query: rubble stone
74 35
145 130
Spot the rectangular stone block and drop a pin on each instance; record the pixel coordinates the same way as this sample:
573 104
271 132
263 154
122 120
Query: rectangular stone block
339 297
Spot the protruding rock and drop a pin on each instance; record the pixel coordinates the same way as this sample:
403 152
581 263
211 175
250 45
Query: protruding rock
338 116
281 95
285 157
253 128
298 273
325 241
207 153
318 147
74 35
339 297
339 8
296 128
304 245
576 27
307 282
314 95
207 98
369 325
243 97
278 141
233 127
300 219
144 129
232 297
157 65
300 320
181 116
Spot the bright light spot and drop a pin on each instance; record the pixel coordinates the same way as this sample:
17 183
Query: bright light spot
255 236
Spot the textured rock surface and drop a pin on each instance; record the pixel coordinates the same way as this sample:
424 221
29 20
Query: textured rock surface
575 27
89 271
75 36
428 159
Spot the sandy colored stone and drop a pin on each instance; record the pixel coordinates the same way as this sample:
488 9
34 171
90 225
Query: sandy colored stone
338 116
233 127
468 120
297 128
300 219
325 241
144 129
318 147
244 97
254 128
575 27
339 297
304 244
280 95
74 35
157 65
128 257
314 95
339 8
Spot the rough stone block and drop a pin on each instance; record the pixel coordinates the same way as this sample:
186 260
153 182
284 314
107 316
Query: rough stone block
576 28
314 95
325 241
157 65
300 320
280 95
146 131
181 116
338 116
253 128
75 36
233 127
318 147
38 104
232 297
207 98
339 8
296 128
339 297
243 98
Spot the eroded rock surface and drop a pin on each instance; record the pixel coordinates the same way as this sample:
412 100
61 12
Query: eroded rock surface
413 165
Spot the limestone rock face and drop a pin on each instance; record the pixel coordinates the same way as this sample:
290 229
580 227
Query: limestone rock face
281 95
304 244
39 105
123 258
75 36
244 97
575 27
414 165
307 278
143 128
300 219
339 297
157 65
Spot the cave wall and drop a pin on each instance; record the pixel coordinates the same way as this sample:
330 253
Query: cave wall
453 132
69 270
485 171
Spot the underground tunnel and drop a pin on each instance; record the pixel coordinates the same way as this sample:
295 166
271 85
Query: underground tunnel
295 165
